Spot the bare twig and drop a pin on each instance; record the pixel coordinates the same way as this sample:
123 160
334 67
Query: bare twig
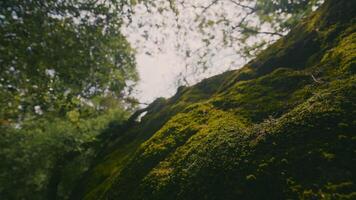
315 80
243 20
207 7
262 32
243 6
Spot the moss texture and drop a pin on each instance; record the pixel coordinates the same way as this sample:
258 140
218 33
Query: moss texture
282 127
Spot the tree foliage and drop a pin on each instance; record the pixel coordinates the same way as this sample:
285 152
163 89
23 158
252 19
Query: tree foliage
46 157
216 33
65 71
55 54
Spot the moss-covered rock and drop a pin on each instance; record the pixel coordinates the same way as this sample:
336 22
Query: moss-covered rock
282 127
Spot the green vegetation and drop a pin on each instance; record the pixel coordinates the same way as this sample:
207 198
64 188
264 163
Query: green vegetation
51 154
224 31
64 70
282 127
55 54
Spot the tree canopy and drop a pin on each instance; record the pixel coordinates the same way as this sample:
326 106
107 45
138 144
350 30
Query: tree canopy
212 33
56 55
65 72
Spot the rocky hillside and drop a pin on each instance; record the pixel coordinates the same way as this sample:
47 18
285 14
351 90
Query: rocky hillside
281 127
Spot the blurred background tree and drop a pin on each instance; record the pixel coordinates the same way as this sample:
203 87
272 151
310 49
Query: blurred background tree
213 33
56 56
66 71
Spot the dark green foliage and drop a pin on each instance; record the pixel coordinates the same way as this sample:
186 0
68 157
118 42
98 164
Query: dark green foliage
282 127
65 69
45 158
52 52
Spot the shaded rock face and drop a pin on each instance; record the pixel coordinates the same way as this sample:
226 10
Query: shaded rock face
282 127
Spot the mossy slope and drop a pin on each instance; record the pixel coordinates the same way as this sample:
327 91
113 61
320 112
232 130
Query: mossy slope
282 127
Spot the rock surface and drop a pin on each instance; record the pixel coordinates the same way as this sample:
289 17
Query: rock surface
281 127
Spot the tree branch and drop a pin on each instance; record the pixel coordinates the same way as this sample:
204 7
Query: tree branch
269 33
248 30
243 20
207 7
243 6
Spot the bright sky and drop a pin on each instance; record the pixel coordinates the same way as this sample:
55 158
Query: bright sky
159 69
157 75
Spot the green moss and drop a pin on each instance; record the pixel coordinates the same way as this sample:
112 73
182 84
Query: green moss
282 127
343 55
268 95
